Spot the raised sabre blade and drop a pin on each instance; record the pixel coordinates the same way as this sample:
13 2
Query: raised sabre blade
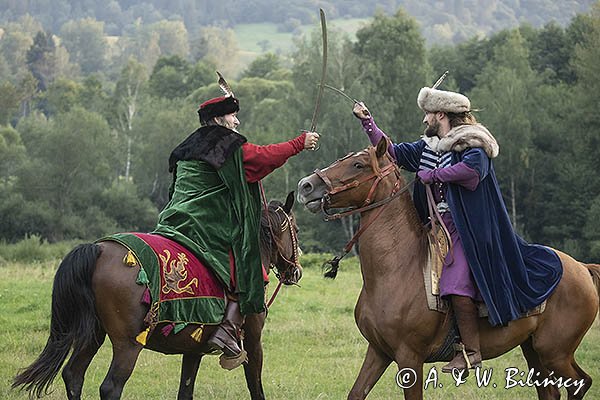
341 92
313 122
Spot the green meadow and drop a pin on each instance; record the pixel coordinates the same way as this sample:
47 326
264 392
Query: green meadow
313 349
255 39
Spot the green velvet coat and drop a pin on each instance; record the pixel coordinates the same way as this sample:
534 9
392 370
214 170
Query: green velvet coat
213 210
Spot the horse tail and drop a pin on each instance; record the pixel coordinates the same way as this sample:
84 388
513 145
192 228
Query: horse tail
594 270
74 322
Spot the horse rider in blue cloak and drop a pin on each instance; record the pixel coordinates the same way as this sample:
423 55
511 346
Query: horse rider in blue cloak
489 262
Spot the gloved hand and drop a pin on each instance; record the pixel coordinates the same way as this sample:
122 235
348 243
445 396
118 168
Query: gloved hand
427 176
361 111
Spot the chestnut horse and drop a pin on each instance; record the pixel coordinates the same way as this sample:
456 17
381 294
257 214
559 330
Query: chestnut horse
392 311
95 294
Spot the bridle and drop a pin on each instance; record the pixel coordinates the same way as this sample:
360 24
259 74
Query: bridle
377 176
285 223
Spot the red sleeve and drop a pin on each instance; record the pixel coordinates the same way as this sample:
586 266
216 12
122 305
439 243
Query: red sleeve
260 161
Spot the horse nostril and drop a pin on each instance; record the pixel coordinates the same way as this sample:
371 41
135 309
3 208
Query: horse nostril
306 188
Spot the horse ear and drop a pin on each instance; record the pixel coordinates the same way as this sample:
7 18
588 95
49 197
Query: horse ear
289 202
382 147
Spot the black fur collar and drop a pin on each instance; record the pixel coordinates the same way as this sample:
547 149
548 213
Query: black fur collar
213 144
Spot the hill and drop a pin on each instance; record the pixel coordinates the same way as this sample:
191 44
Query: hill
446 21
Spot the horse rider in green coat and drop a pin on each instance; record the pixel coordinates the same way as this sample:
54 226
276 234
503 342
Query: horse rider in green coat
214 209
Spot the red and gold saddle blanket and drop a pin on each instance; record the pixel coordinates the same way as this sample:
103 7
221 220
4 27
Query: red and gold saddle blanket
182 289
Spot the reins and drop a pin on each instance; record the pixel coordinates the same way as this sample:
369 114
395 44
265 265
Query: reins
272 299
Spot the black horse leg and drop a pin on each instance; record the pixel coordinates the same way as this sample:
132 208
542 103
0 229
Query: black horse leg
125 354
189 371
74 371
253 368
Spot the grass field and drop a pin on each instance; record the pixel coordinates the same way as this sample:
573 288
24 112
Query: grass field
251 36
313 349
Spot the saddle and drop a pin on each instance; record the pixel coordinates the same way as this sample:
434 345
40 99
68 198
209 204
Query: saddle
180 289
432 271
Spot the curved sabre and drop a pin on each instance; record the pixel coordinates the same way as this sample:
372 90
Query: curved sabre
313 122
338 91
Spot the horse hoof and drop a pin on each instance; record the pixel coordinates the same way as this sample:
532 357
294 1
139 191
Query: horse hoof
230 363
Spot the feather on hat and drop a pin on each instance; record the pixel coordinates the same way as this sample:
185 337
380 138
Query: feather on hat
433 100
219 106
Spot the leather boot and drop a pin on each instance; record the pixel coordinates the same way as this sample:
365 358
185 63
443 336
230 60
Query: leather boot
226 337
467 316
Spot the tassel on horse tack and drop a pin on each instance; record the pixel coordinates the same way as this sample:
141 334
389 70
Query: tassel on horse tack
142 278
143 337
146 297
179 327
130 259
334 264
167 329
197 334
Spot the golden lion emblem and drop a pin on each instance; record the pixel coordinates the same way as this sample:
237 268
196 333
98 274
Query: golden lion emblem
175 274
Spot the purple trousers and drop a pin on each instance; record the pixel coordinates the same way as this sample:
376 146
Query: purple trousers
456 276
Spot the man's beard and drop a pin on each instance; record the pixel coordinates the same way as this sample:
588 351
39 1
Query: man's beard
226 124
232 127
432 129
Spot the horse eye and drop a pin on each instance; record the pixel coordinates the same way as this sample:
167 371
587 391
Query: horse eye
358 165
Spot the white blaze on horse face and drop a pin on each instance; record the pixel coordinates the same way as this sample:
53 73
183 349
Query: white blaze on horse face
360 157
360 153
347 156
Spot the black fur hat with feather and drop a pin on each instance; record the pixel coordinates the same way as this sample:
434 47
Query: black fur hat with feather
219 106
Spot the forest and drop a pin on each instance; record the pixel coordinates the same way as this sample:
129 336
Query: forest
450 20
89 112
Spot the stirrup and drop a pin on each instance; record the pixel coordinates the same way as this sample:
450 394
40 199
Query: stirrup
217 343
461 352
230 363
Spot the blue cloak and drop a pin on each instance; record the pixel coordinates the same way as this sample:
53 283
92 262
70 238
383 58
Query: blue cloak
512 275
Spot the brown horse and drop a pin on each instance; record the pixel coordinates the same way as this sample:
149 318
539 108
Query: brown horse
95 294
392 311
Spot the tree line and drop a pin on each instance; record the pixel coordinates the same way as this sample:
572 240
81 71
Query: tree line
449 21
85 155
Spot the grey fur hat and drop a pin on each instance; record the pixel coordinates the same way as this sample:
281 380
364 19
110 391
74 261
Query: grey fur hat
433 100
